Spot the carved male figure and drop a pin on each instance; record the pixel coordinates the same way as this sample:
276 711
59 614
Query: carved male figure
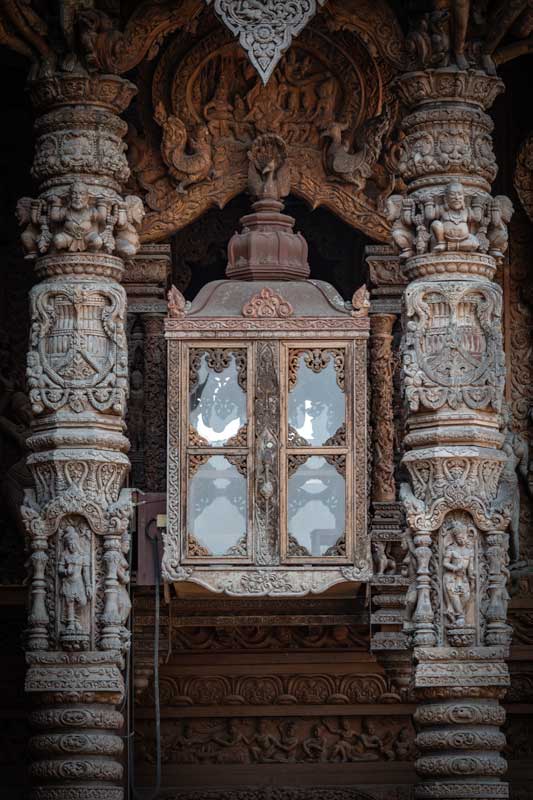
459 573
451 220
81 222
74 571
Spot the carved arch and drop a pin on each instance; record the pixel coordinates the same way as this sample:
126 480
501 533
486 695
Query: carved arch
202 106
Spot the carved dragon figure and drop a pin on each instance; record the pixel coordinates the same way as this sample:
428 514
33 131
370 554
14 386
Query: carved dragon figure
186 168
355 168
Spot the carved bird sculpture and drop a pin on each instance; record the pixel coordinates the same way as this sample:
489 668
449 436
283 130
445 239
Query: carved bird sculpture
187 168
268 171
355 168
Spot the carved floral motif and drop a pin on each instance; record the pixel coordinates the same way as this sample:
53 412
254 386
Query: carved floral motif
267 304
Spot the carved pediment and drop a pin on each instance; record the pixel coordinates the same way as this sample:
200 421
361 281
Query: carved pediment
206 106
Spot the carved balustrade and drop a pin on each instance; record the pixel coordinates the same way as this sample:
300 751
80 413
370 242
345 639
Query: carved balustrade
78 231
451 234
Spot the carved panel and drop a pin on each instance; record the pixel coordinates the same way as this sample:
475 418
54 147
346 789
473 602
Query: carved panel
328 111
266 740
453 348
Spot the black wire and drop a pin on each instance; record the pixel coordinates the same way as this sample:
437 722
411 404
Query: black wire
155 791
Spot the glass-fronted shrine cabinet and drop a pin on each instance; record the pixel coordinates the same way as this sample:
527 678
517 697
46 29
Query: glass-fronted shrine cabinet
267 421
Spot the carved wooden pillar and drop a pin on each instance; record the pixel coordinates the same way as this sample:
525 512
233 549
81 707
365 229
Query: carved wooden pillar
381 369
155 359
78 231
451 233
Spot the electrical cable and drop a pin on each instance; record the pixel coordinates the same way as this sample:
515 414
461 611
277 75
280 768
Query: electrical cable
157 706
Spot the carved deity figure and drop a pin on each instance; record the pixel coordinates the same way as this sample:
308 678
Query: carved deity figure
130 215
35 239
400 211
74 571
80 221
314 746
501 211
458 573
451 220
516 468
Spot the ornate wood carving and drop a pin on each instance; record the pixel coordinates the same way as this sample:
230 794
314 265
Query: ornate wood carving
214 112
381 373
462 482
265 30
77 515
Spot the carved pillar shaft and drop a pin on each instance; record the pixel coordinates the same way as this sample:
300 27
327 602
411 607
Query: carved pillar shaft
381 369
450 233
78 231
155 363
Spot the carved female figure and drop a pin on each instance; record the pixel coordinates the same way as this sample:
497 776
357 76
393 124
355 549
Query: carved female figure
459 573
74 571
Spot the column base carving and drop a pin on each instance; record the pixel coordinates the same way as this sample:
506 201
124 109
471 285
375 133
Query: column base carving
76 725
458 723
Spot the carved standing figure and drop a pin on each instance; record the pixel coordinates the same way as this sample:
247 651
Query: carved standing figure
74 571
516 467
459 573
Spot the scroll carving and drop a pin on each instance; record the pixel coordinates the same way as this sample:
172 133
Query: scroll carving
267 304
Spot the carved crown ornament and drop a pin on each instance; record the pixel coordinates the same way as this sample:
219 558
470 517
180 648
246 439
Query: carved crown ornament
203 110
265 29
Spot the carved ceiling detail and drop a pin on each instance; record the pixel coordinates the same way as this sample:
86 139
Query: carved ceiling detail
327 99
265 28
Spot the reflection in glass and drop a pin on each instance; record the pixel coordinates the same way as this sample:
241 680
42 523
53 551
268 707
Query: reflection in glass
316 404
217 505
217 403
316 505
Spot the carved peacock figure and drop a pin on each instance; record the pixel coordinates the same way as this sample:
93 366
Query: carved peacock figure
355 168
269 175
186 168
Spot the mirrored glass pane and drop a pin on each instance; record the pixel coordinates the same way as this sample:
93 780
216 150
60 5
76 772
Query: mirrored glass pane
217 510
316 508
217 397
316 406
